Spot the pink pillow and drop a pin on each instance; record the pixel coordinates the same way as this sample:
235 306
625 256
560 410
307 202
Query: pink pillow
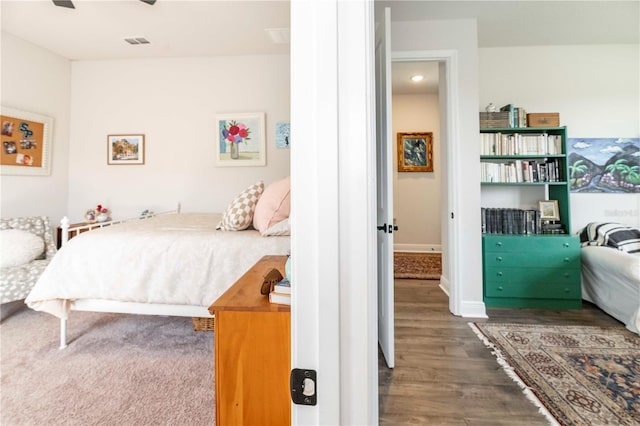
273 206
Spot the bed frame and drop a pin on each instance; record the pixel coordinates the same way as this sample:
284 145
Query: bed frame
111 306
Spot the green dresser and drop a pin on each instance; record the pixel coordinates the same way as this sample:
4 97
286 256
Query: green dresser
533 271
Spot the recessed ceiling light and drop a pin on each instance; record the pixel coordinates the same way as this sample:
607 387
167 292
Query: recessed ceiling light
417 78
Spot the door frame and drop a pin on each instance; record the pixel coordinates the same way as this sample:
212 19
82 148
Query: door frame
450 147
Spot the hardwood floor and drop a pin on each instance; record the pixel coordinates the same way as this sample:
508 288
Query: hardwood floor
444 375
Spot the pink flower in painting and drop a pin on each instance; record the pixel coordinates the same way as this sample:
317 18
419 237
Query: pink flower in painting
236 132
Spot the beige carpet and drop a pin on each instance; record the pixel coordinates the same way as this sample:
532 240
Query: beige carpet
421 266
117 370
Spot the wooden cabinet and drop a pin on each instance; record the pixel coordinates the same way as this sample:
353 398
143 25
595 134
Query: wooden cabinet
528 262
252 352
537 271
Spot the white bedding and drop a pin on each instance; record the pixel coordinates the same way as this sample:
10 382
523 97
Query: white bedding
175 259
611 280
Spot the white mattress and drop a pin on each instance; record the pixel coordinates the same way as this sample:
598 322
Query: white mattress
177 259
611 280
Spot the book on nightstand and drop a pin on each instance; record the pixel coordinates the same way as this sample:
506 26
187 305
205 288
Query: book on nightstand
284 286
280 298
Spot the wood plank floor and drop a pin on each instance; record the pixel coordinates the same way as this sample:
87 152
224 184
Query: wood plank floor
444 375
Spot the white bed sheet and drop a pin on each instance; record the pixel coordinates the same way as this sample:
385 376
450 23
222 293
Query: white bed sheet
611 280
175 259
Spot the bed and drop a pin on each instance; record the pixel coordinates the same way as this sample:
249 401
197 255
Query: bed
174 264
611 270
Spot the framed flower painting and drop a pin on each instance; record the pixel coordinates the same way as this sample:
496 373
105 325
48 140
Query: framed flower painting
240 139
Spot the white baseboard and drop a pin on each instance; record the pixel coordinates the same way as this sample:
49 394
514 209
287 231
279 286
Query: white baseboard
444 285
473 309
418 248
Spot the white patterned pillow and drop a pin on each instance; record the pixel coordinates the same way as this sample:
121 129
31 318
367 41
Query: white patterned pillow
18 247
239 214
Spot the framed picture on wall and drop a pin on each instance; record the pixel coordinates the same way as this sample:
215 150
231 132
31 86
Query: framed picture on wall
240 139
26 143
415 152
125 149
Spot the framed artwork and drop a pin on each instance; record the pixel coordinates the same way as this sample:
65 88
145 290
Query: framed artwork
604 165
549 210
26 143
125 149
283 135
240 139
415 152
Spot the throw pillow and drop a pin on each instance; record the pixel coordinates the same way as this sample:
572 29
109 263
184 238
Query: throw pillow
239 214
274 205
18 247
279 229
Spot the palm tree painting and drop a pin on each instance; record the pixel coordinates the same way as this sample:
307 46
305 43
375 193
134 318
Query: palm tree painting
609 165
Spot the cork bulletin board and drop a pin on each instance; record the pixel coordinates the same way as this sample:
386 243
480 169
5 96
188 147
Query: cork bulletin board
25 143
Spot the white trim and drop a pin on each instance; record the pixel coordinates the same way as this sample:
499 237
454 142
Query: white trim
418 248
444 285
473 309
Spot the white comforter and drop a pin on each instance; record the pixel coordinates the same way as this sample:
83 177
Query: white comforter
611 280
178 259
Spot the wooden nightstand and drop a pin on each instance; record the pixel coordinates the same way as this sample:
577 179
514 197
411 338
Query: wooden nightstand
252 352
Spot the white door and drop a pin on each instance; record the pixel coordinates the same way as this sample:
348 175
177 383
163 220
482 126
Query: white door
384 186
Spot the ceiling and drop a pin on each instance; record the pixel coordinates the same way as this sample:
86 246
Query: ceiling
96 29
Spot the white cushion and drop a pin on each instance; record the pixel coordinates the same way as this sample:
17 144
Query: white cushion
279 229
239 214
18 247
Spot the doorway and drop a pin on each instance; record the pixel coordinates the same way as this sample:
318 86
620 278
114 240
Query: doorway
417 195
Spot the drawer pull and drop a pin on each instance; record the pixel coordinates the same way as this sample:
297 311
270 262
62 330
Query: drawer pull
565 245
499 274
499 259
566 290
499 244
566 275
500 288
567 260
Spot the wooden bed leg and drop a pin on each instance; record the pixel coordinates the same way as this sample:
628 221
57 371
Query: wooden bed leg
63 333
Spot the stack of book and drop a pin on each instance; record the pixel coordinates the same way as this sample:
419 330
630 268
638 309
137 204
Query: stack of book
281 292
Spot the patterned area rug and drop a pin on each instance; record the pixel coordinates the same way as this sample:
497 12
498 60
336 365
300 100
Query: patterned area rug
575 375
420 266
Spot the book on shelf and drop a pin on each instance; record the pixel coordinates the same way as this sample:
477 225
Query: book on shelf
283 287
510 221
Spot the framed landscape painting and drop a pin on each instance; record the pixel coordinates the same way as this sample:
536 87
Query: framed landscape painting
125 149
240 140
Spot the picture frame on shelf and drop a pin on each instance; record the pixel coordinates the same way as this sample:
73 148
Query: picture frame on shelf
240 139
415 152
125 149
549 210
90 216
26 143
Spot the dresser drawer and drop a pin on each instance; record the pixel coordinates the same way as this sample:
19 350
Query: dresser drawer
531 243
543 260
533 283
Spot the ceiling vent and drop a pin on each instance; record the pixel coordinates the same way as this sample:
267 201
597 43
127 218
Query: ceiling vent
137 40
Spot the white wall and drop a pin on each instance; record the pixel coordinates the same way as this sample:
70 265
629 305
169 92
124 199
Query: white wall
416 196
596 90
173 102
38 81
